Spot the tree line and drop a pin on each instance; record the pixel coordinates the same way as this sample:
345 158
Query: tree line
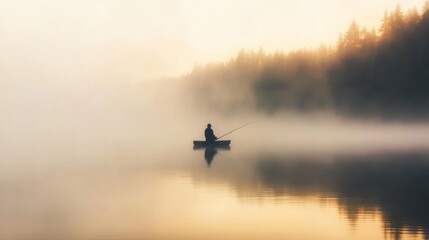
378 72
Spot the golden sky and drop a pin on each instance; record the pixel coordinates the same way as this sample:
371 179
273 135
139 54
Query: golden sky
151 39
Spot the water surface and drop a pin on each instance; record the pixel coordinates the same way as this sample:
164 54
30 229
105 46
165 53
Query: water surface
124 186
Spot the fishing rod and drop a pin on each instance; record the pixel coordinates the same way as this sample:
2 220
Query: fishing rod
234 130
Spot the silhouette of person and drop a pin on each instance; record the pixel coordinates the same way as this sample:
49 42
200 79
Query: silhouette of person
209 154
209 134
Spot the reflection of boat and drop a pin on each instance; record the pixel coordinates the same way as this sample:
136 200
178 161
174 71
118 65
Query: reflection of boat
210 150
215 144
209 155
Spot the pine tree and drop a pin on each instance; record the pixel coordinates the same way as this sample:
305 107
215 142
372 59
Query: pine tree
369 38
340 43
397 20
412 17
385 26
352 37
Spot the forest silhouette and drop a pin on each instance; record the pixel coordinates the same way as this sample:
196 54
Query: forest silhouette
369 73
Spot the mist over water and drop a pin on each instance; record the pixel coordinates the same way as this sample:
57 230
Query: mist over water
116 161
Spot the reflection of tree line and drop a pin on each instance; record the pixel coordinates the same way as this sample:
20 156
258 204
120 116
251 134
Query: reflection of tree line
369 72
398 186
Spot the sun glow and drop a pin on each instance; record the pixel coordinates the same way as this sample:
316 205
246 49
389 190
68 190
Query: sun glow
165 38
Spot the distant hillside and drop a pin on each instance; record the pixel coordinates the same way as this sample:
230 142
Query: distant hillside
369 73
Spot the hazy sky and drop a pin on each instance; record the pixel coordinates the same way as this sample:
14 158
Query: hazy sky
149 39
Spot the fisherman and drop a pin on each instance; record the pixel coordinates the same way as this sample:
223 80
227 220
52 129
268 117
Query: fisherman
208 133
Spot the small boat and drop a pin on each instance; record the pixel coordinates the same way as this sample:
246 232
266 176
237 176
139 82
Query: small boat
215 144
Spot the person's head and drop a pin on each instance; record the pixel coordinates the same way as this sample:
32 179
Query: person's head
209 125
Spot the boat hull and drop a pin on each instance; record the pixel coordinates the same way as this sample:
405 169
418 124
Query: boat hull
215 144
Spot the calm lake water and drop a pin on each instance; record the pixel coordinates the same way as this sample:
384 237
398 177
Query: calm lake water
128 184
